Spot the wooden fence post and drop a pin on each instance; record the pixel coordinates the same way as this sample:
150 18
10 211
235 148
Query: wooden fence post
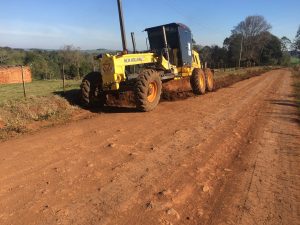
63 77
24 89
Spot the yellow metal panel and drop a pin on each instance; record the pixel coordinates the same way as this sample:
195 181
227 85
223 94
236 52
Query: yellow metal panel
196 60
113 67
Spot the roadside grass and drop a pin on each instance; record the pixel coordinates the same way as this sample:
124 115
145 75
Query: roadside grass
295 61
296 85
243 71
227 78
17 116
172 92
44 104
35 88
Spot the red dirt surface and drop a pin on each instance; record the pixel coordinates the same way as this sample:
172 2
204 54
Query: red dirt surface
12 75
227 157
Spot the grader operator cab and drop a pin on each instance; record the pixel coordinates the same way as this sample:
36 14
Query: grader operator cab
179 43
171 57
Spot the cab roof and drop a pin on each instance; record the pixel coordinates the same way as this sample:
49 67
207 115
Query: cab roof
169 25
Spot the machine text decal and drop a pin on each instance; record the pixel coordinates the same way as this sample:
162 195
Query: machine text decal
138 59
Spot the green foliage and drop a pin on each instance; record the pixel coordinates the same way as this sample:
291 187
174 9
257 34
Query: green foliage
286 59
295 61
297 40
271 53
10 56
251 40
285 44
296 85
46 64
233 46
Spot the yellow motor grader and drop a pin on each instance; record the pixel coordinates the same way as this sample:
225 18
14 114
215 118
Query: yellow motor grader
171 57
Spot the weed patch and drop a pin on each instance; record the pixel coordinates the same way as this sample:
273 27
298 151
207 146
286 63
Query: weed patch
296 85
16 115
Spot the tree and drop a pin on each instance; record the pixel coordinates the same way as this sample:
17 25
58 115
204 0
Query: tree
233 46
205 54
3 56
71 59
252 26
39 64
285 44
254 31
297 40
271 53
219 56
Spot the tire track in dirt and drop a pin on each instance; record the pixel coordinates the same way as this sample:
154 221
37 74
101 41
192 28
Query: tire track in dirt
267 182
211 159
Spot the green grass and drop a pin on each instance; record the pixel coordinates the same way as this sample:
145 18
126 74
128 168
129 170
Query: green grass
242 71
16 115
295 61
296 73
42 104
35 88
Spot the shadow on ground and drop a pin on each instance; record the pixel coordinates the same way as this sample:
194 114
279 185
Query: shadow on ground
291 117
117 104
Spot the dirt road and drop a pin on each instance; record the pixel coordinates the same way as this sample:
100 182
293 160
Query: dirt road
228 157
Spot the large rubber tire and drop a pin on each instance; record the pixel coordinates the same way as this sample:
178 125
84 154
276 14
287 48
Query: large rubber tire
209 78
147 90
198 82
90 95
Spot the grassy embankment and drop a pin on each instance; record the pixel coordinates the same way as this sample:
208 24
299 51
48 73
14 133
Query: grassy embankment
296 85
45 104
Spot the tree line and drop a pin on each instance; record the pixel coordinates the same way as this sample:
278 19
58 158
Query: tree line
250 44
50 64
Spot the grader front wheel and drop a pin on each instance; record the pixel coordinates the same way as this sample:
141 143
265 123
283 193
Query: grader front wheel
148 90
89 94
198 82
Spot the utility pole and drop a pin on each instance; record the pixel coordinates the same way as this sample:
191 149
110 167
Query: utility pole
241 50
122 27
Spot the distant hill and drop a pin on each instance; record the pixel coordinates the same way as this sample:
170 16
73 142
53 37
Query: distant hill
90 51
98 51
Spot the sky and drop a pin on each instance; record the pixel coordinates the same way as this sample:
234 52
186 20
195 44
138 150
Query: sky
93 24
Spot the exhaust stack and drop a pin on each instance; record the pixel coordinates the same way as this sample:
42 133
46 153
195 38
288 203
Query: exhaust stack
133 42
124 43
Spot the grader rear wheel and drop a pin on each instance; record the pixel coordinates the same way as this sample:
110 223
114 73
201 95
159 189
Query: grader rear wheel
147 90
198 82
209 76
